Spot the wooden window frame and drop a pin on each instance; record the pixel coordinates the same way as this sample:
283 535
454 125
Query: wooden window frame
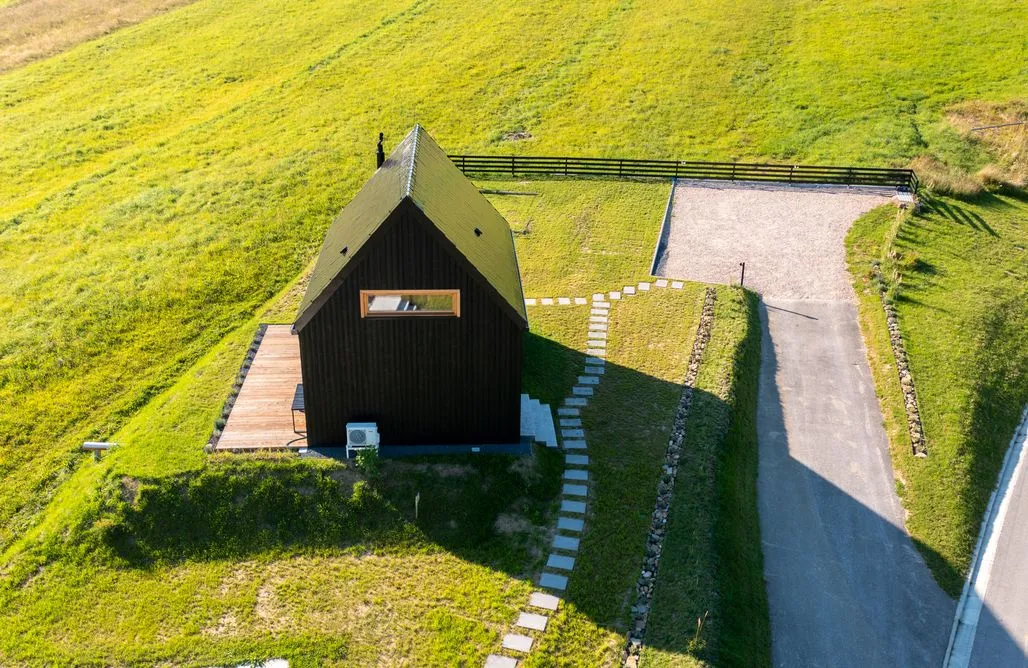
454 294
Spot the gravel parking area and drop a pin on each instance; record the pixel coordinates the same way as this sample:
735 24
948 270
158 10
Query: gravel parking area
790 237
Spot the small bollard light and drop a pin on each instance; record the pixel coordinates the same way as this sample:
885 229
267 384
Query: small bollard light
742 277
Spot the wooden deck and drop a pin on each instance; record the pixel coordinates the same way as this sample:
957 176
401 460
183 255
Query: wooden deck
261 417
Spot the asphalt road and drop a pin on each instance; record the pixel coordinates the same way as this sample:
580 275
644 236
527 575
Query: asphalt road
846 587
1001 638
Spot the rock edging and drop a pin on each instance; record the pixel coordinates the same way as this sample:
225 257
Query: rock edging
899 352
665 490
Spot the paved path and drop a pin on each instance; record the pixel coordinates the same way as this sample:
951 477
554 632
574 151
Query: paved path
845 585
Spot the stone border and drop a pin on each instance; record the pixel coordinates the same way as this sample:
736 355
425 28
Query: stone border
915 428
553 580
226 409
665 490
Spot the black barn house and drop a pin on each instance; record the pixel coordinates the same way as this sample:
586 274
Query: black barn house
414 315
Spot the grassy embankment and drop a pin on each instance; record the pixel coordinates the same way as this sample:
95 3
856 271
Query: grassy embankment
709 606
956 273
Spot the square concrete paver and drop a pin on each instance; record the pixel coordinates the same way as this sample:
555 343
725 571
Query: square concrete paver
582 391
629 290
569 524
500 661
661 283
575 490
597 327
530 620
595 352
560 562
544 601
615 295
599 296
595 370
574 444
565 543
569 506
572 433
529 302
644 286
546 301
577 402
598 361
601 304
676 285
570 422
578 460
517 642
564 301
576 474
570 412
553 581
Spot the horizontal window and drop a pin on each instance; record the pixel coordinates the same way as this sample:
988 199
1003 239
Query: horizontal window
392 303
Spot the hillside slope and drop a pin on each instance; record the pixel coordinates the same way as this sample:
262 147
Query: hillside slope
159 184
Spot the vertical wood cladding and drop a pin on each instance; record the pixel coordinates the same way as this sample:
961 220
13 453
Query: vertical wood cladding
424 380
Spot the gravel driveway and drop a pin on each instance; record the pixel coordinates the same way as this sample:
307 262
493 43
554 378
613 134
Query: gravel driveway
791 239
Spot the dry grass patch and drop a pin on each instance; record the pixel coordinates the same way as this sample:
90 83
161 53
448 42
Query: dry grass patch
34 29
1009 144
944 179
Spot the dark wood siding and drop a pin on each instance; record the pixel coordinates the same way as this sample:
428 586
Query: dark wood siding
424 380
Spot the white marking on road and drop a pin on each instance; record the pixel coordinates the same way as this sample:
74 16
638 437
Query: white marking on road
965 624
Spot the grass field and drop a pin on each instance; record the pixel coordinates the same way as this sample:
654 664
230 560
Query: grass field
957 275
162 186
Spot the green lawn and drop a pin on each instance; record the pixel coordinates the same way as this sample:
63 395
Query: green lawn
957 275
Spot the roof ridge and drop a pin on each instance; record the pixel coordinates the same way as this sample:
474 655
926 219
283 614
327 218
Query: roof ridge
413 159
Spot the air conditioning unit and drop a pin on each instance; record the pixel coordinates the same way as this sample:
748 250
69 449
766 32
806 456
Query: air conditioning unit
361 436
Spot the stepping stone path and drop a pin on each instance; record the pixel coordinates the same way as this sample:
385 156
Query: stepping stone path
575 493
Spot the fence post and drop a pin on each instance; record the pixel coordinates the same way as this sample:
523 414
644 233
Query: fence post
791 170
733 171
621 164
513 171
565 166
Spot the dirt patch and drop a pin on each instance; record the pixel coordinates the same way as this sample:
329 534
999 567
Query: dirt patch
226 625
517 135
129 490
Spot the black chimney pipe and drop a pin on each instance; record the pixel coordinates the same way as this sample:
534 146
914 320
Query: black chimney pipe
380 155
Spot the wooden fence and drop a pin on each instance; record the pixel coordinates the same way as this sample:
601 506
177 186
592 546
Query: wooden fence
526 166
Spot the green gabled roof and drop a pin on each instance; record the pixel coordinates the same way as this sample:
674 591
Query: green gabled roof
419 170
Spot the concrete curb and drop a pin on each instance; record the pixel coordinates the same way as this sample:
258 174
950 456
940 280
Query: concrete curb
961 637
665 230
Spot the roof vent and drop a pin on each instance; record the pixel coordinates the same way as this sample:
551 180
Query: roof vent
478 232
346 249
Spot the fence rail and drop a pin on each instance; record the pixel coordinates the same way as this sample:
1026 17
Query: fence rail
517 165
